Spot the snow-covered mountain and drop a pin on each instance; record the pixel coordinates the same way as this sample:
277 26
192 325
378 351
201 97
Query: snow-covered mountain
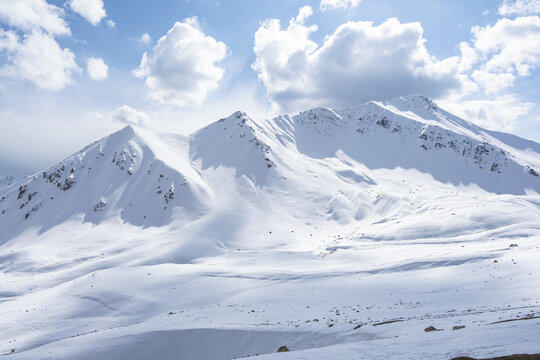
338 233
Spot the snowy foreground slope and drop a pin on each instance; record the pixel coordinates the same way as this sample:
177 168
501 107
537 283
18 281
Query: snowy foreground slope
341 234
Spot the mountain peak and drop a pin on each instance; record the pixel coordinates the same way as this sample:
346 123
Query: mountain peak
322 120
128 174
413 101
126 129
237 115
123 134
234 142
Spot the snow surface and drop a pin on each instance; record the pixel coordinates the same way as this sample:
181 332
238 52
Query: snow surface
6 180
341 234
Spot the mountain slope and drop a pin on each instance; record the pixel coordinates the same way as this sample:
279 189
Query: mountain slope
418 136
337 232
116 176
7 180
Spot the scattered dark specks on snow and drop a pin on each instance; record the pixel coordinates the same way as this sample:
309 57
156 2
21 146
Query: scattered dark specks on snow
169 195
384 122
99 206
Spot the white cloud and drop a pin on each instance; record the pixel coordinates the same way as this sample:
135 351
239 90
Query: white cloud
358 62
128 115
91 10
96 68
111 24
496 56
9 41
468 58
145 38
181 68
519 7
339 4
31 15
511 45
493 83
502 52
500 113
37 58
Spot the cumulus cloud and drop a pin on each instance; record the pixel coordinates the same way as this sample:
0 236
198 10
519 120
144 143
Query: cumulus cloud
358 62
38 58
339 4
35 55
130 116
496 56
519 7
502 52
29 15
493 83
91 10
96 68
500 113
9 41
111 24
145 38
468 57
181 68
510 45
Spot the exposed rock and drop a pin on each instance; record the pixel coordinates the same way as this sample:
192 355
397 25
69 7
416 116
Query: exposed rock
507 357
99 206
22 190
283 348
384 123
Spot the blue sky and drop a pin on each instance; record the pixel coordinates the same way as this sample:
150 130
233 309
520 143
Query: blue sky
72 71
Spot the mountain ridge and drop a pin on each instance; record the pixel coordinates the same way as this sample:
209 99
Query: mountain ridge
257 149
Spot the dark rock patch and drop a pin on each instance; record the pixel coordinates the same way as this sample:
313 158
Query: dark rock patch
283 348
507 357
